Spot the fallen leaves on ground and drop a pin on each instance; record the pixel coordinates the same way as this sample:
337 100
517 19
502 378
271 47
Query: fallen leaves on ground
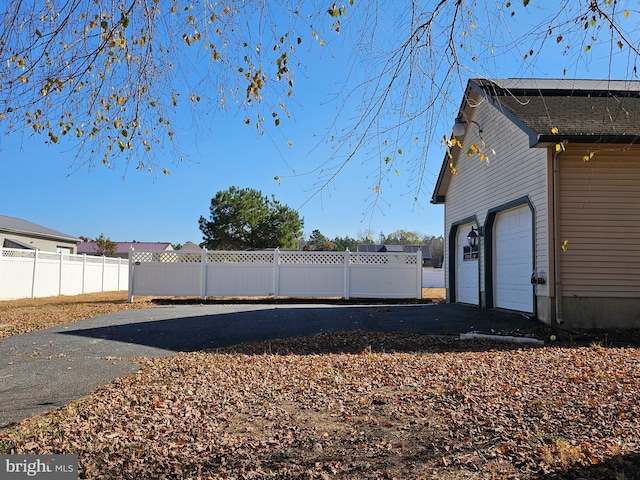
30 314
357 405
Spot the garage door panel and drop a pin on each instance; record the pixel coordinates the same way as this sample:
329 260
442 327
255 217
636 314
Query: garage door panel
514 260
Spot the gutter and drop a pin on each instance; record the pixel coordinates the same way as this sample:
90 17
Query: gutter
556 234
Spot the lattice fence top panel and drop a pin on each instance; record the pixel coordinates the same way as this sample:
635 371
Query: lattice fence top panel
284 258
383 258
240 257
167 257
312 258
18 253
112 261
48 256
93 259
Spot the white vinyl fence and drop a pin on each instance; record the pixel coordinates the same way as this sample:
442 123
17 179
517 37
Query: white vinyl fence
432 277
33 273
275 273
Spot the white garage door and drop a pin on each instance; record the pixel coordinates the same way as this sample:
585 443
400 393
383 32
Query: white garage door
514 260
467 281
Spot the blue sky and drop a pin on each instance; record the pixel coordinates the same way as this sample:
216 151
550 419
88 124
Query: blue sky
42 184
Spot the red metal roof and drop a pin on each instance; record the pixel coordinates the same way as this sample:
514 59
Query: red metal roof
90 248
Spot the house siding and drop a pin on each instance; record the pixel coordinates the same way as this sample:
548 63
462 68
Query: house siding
513 171
44 244
579 182
600 223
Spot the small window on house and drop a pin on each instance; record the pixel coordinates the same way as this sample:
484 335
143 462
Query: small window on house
469 253
10 243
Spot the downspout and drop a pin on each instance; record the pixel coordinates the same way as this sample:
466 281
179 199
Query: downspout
556 234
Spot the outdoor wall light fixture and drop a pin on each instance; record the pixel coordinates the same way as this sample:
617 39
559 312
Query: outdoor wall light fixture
474 235
460 127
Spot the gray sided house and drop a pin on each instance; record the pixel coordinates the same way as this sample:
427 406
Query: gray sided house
542 200
191 247
18 233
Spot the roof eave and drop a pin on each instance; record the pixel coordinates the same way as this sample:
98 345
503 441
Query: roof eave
41 235
545 140
437 199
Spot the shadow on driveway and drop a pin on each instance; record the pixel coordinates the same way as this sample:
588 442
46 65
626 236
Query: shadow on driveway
205 327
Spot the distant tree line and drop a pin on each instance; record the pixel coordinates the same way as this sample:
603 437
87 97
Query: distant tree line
318 242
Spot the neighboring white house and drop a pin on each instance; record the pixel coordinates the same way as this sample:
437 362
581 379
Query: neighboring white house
22 234
542 200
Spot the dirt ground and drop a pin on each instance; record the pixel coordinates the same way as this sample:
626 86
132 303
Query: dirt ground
394 405
400 406
434 293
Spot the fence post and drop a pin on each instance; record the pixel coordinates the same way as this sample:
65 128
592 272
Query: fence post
120 285
119 271
84 271
33 278
104 267
60 273
131 268
419 273
347 271
203 277
276 273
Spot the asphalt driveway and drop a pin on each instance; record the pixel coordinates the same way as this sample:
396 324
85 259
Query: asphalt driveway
43 370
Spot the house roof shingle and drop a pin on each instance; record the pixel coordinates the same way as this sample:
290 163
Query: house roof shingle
551 111
19 226
582 111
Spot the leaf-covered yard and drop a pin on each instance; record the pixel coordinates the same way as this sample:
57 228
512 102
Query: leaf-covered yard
357 405
30 314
